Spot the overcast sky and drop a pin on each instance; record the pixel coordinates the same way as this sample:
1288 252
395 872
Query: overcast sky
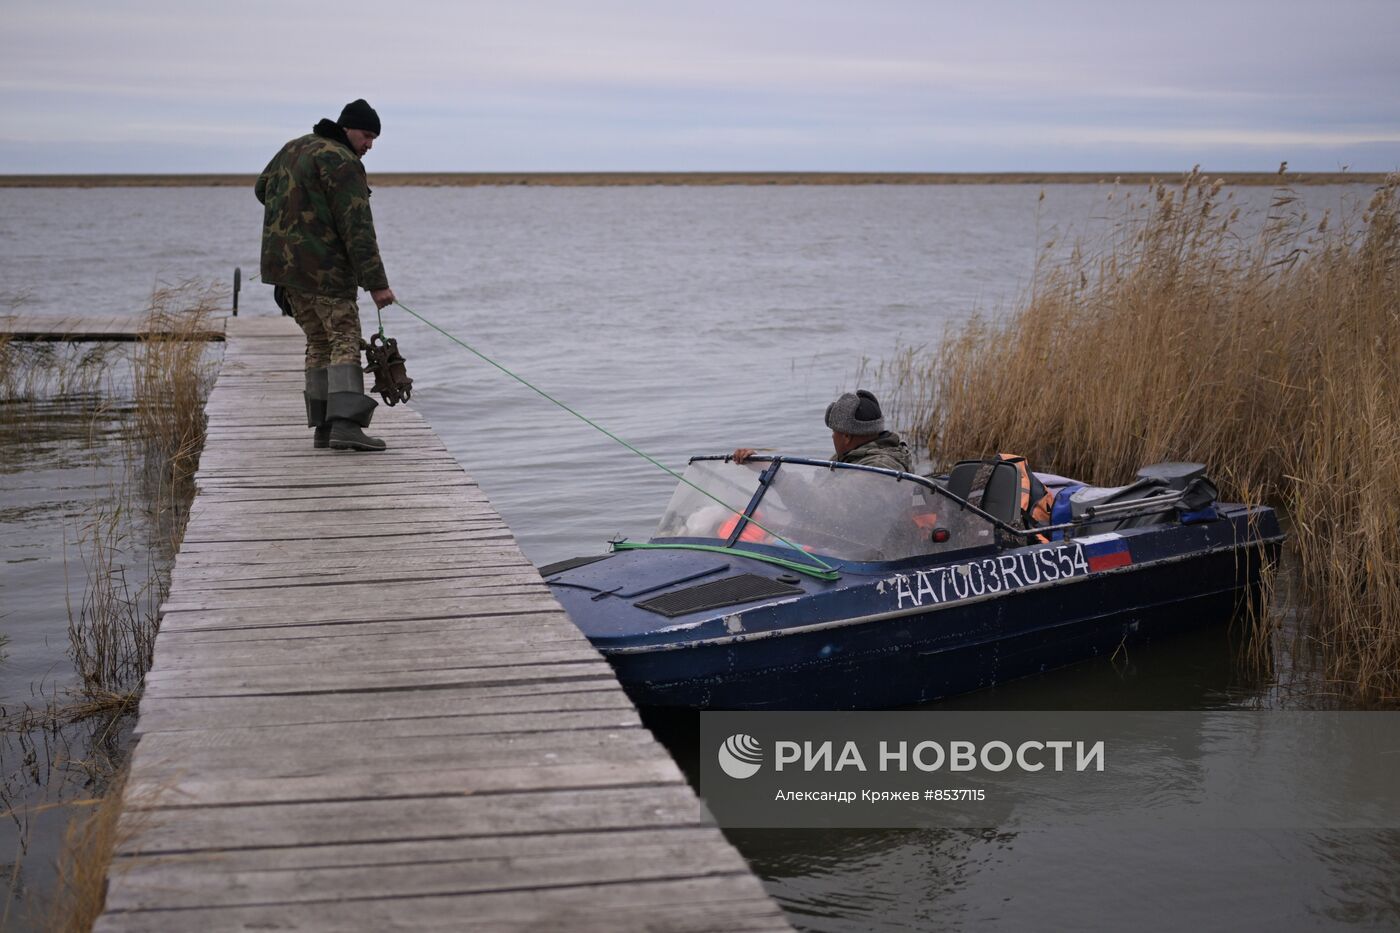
610 85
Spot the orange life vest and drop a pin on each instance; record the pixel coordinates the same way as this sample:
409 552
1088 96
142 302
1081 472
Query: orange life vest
1037 512
751 533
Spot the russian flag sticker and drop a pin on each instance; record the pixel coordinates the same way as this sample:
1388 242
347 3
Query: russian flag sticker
1104 552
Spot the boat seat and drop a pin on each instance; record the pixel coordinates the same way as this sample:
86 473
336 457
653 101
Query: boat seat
997 495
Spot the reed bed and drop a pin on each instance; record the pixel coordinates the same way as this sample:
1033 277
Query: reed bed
33 371
48 387
112 636
125 546
1269 352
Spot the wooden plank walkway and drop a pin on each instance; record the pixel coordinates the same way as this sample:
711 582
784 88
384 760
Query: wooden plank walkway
88 327
368 713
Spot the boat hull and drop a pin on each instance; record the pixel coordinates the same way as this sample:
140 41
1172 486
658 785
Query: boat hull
910 637
954 649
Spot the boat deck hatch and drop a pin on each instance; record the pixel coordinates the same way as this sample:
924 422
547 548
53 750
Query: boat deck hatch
730 591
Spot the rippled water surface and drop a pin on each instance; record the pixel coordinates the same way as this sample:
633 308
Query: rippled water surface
695 320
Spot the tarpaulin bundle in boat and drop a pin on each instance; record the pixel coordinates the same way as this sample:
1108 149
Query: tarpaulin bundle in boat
1194 503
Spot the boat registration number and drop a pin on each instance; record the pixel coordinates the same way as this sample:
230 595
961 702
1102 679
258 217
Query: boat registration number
989 575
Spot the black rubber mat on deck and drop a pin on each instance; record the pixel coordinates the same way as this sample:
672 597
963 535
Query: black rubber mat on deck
549 570
730 591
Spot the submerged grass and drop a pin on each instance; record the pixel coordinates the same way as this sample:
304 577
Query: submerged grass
1270 355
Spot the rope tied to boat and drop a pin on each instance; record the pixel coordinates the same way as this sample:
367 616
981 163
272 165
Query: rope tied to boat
823 570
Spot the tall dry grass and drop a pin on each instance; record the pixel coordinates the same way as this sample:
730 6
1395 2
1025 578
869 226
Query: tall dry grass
111 635
90 841
173 373
1269 353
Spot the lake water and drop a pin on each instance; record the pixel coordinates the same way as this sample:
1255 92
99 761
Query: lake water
687 321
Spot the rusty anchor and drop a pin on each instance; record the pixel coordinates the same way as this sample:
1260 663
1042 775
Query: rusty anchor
391 379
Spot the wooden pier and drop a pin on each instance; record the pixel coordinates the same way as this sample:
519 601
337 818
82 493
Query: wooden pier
367 712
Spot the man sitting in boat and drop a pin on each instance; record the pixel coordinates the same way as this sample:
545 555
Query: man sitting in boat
858 434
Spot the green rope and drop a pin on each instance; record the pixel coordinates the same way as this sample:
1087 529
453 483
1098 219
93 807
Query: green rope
825 567
808 569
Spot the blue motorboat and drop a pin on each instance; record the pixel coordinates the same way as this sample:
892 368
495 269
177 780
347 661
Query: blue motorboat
793 583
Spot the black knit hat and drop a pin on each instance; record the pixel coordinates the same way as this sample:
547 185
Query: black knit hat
856 413
358 115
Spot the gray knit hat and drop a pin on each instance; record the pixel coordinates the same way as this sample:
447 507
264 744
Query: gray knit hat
855 413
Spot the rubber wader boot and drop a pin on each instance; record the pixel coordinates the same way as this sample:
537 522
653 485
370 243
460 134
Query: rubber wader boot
316 388
349 409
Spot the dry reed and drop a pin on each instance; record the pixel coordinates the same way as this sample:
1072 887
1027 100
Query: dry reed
84 859
1272 356
172 377
111 637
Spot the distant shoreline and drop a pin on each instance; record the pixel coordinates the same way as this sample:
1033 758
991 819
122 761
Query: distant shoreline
636 179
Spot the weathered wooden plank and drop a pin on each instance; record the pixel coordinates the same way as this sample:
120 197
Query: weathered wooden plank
462 489
465 719
523 771
519 642
352 537
359 567
273 663
314 480
241 681
360 595
346 523
486 631
721 904
441 869
366 709
500 730
382 819
205 579
364 568
502 762
450 607
413 852
293 554
404 509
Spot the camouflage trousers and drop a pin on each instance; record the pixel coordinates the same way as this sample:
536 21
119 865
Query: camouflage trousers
331 325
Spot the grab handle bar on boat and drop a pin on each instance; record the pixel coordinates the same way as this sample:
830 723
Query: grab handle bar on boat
1166 500
1129 509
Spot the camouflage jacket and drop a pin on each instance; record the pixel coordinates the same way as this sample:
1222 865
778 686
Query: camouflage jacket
886 450
318 233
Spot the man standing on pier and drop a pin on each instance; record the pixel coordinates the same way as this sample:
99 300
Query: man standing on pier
318 248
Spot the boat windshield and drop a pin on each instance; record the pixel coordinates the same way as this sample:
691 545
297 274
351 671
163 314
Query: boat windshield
846 514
